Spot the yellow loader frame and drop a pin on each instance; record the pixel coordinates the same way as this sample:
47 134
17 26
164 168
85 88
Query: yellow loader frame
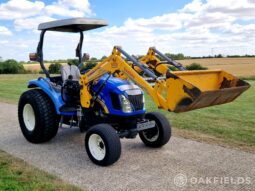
176 91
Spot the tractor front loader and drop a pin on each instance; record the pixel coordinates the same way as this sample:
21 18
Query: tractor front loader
189 90
108 101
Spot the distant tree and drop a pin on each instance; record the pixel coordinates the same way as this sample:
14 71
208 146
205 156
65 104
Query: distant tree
103 57
233 56
90 65
54 68
22 62
178 56
73 62
218 56
93 59
11 67
195 66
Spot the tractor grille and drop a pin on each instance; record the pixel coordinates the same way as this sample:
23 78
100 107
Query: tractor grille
136 101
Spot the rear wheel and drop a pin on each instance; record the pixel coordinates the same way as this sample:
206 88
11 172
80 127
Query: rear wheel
37 116
158 135
102 144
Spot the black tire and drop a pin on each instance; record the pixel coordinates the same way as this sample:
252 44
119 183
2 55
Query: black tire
109 143
46 119
160 134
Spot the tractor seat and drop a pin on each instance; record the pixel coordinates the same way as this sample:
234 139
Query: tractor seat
70 72
70 90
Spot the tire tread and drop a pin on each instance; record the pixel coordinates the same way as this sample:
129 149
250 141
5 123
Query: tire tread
46 118
112 142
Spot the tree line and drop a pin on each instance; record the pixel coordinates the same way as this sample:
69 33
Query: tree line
12 66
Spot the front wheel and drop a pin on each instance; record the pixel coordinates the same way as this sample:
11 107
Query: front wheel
102 144
158 135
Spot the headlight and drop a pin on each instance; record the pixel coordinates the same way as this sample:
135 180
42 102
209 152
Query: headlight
125 104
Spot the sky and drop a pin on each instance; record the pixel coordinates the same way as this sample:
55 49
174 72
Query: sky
192 27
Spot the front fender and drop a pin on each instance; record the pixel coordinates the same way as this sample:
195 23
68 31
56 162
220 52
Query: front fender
43 83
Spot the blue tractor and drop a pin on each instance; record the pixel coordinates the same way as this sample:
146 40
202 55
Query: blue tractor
117 108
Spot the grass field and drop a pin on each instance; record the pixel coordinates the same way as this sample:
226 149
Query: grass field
236 66
231 124
17 175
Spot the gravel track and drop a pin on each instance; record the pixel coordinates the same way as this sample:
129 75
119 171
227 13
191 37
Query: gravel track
139 168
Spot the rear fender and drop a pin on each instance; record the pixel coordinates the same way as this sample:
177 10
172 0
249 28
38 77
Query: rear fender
44 84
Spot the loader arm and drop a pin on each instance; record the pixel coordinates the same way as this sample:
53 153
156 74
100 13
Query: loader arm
114 64
177 91
155 64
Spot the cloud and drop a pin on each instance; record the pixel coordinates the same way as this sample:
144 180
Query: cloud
194 6
243 9
31 23
5 31
69 8
170 21
81 5
31 14
18 9
62 11
14 9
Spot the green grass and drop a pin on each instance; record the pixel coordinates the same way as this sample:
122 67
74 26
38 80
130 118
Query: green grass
11 86
248 78
17 175
232 123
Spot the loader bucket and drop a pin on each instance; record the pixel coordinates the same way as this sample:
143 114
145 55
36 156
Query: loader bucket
189 90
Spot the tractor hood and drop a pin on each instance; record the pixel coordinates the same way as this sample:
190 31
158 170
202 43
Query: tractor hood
117 85
110 94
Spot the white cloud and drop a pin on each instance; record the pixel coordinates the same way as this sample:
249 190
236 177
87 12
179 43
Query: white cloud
62 11
194 6
31 14
81 5
31 23
170 21
5 31
14 9
243 9
18 9
69 8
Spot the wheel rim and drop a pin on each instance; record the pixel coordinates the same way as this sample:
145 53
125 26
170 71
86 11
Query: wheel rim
151 135
96 147
29 117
